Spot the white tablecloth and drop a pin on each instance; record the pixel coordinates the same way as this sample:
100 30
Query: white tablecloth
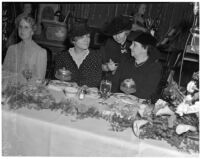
48 133
28 132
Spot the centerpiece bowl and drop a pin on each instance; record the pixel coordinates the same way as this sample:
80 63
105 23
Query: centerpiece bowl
63 74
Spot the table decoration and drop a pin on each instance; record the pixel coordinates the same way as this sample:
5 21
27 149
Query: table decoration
176 124
120 116
63 74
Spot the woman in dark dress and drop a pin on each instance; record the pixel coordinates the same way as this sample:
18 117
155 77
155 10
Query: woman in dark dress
116 46
144 70
83 63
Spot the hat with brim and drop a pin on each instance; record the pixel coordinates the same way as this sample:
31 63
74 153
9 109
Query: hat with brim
79 30
143 38
117 25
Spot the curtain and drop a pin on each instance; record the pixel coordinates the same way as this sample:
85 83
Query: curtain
170 14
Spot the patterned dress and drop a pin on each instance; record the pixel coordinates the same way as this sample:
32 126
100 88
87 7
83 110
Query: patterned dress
88 73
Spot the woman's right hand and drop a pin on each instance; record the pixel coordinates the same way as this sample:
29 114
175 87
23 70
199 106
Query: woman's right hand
112 66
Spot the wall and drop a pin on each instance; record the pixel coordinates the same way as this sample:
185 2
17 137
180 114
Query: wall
169 13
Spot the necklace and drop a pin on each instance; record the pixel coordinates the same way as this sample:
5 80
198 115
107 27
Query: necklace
140 64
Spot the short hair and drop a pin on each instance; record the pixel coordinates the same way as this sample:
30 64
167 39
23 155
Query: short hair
29 20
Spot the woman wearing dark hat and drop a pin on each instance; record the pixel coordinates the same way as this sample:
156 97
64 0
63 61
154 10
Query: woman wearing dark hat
116 46
142 70
83 63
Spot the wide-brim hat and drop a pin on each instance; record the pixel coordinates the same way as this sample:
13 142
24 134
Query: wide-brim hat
142 37
117 25
79 30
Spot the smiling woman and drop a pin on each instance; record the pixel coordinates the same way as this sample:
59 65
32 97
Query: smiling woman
83 63
26 56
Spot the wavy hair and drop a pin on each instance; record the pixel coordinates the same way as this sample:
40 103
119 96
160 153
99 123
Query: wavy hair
29 20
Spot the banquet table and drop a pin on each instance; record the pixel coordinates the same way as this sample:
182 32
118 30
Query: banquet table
30 132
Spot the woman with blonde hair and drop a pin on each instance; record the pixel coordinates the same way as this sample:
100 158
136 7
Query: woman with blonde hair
26 55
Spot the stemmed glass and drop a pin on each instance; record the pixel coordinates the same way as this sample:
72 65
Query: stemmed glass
27 73
105 88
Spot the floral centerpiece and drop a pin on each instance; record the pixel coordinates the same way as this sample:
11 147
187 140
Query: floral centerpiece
176 124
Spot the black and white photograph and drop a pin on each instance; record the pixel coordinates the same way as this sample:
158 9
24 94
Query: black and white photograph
100 79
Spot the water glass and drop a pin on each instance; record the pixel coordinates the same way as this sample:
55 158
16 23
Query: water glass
105 88
27 73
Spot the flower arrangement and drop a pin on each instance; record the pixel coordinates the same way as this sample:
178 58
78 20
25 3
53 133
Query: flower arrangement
176 124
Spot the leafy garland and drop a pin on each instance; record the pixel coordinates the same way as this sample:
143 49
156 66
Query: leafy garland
17 96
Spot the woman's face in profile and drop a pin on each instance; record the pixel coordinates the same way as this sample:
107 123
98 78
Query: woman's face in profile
136 49
121 37
142 9
25 30
82 42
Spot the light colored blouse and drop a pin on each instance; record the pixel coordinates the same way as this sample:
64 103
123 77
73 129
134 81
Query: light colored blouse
30 55
78 59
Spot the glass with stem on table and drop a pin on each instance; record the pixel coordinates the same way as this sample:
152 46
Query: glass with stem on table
105 88
27 73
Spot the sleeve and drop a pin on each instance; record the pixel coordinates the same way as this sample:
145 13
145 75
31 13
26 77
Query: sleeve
42 64
149 85
9 63
102 51
119 75
60 62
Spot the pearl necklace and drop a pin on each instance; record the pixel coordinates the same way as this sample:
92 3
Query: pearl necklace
142 63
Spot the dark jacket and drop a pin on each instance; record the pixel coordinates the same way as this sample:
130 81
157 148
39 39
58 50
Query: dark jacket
112 50
146 76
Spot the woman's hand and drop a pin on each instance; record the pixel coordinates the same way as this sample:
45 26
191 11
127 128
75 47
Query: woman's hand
112 66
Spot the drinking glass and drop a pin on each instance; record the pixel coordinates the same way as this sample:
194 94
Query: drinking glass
27 73
105 88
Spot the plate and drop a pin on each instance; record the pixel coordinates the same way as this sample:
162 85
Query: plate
93 95
71 90
64 84
92 90
129 99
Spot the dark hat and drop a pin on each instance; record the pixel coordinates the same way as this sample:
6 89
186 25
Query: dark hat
79 30
141 37
117 25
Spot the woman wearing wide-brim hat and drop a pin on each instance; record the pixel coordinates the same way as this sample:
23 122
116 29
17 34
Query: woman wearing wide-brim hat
116 45
142 69
83 63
